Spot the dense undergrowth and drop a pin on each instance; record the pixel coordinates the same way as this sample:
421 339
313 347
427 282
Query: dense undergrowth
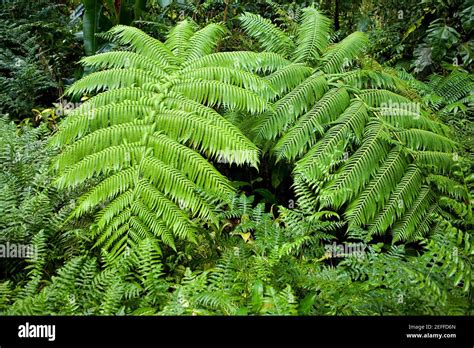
253 165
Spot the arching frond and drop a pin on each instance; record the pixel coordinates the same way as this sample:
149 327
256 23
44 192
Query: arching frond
300 136
420 139
174 184
249 61
453 87
312 37
123 59
340 54
203 42
143 44
189 162
403 117
111 79
362 210
290 107
414 221
216 93
288 77
386 98
270 37
83 123
99 140
170 213
367 79
318 159
449 186
178 37
401 198
107 97
441 160
358 169
112 158
240 78
195 132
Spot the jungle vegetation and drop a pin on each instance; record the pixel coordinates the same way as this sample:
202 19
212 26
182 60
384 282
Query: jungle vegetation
236 157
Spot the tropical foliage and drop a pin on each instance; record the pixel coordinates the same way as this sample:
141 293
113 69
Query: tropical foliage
362 147
265 164
35 56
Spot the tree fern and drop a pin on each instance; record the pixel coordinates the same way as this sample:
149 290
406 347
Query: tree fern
150 133
268 35
362 140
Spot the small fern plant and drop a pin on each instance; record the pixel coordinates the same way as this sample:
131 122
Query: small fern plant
151 132
360 145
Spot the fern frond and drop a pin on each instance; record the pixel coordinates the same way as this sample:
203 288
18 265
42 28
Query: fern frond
300 136
270 37
368 79
401 117
249 61
111 79
420 139
216 93
100 140
120 203
323 155
355 173
443 161
176 185
217 300
203 41
343 52
414 221
85 122
143 44
454 87
196 132
171 214
110 159
240 78
191 163
383 98
121 60
373 197
298 101
178 38
108 97
401 198
105 190
288 77
449 186
312 36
